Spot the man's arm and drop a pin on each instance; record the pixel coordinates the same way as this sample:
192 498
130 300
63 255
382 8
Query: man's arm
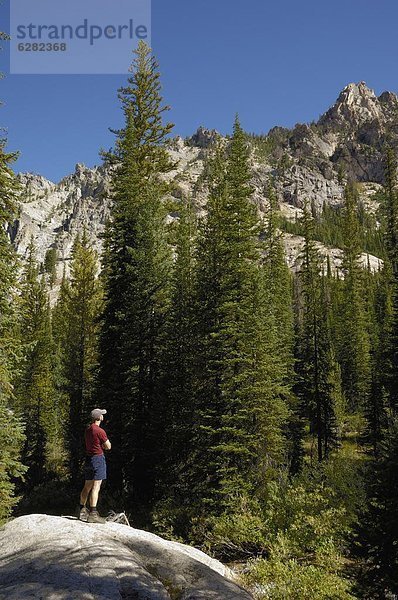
106 445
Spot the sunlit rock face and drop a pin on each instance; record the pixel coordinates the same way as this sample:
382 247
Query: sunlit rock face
310 162
63 559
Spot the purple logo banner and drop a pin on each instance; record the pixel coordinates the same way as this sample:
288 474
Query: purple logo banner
78 36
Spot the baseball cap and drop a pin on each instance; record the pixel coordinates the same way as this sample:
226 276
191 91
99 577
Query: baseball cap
97 412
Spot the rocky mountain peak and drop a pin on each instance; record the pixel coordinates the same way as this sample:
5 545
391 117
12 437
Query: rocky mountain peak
203 138
359 90
356 105
80 169
32 182
388 99
309 162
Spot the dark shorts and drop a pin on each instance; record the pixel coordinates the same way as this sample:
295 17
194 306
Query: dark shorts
95 468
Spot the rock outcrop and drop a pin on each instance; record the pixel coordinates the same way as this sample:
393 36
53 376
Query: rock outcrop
53 214
58 558
309 162
356 105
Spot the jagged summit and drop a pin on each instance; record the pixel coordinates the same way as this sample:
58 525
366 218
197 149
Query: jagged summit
357 90
203 137
34 181
356 104
389 98
308 162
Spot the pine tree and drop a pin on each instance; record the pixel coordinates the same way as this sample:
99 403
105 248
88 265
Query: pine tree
278 299
377 532
59 313
136 278
80 305
239 419
11 427
353 339
181 351
279 286
390 206
330 381
50 265
35 388
318 375
379 300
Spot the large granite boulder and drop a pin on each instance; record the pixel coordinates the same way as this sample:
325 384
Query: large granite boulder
61 558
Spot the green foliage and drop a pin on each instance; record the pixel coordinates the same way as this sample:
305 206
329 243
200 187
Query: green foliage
381 310
353 341
35 389
180 358
305 526
318 386
278 284
76 330
302 518
136 276
236 534
377 533
278 322
11 440
240 414
390 206
328 229
274 579
50 263
298 529
390 212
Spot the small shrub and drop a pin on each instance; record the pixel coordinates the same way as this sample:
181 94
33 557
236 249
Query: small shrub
239 533
277 580
53 497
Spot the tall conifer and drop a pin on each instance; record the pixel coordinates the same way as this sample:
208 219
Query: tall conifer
181 353
11 427
239 416
353 339
136 283
390 209
79 307
318 375
35 390
278 285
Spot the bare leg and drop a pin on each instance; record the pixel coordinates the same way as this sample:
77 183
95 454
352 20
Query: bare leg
94 493
86 490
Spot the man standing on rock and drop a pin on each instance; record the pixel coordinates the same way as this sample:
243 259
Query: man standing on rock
95 467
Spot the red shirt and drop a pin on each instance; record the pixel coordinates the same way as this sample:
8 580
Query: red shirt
95 437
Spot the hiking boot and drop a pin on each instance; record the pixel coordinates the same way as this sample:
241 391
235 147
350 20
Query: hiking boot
94 517
83 514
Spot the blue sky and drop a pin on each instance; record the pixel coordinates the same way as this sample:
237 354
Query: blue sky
275 63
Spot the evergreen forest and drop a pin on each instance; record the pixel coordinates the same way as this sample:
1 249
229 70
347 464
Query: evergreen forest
252 410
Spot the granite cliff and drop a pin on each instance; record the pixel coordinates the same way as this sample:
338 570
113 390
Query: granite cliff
308 162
